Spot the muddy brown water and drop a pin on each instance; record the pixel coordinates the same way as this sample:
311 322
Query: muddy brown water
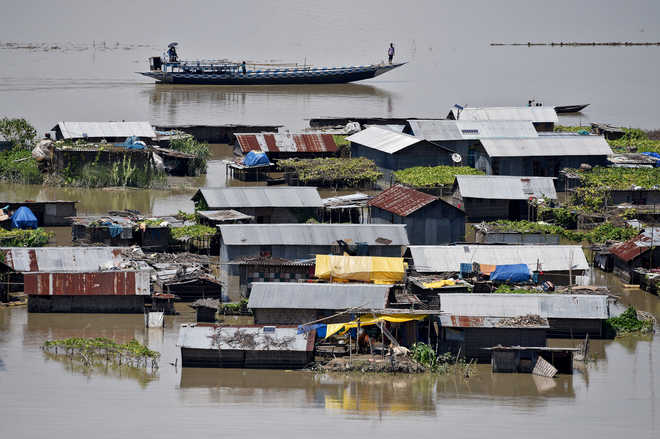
617 394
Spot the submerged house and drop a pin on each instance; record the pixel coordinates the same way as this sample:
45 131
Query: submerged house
392 151
471 335
556 263
265 204
569 315
542 156
48 213
274 303
98 131
253 347
642 251
286 145
493 197
543 118
291 245
429 220
462 136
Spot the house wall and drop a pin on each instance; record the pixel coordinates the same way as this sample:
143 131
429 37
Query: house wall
516 238
636 197
421 154
434 224
471 341
535 166
576 328
479 209
278 215
283 316
87 304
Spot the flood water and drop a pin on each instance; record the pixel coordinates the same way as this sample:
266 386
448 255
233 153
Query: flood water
78 63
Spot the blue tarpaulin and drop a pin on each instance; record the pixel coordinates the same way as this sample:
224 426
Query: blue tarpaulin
321 329
655 155
131 143
510 273
23 218
254 158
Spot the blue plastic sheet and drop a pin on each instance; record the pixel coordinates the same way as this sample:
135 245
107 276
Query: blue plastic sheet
23 218
510 273
131 143
321 329
655 155
254 158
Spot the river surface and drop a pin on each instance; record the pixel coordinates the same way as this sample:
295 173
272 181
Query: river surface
616 395
77 62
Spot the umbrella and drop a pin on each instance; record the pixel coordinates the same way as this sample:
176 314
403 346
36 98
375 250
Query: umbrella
172 44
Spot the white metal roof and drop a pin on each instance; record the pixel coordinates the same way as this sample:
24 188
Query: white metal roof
534 114
265 338
260 196
80 130
313 234
504 187
544 146
383 139
557 306
447 258
317 296
78 259
445 130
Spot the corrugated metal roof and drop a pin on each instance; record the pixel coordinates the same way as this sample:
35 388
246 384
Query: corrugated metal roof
447 258
330 296
383 139
401 200
77 259
278 338
445 130
553 306
286 142
461 321
313 234
237 197
546 146
80 130
534 114
637 246
223 215
503 187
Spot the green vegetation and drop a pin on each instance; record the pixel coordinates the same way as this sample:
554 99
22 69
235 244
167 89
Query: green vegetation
18 166
602 233
572 128
433 176
18 132
424 354
350 172
237 308
120 173
508 289
629 322
635 140
185 216
92 350
25 238
190 146
343 145
194 232
561 216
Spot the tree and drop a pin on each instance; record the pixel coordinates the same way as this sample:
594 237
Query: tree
18 132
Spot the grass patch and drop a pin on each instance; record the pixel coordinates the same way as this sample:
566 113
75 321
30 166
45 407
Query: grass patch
123 173
628 322
92 350
508 289
347 172
635 140
18 166
198 149
25 238
602 233
433 176
236 309
195 231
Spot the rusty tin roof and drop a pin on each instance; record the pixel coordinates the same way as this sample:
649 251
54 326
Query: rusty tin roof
640 244
401 200
286 142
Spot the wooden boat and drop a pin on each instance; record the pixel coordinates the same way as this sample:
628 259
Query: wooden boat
565 109
229 73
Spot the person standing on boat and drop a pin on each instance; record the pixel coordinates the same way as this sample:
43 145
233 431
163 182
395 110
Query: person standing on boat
172 53
390 52
244 67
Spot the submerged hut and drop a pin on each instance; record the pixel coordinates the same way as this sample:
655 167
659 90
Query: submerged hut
429 220
392 151
48 213
286 145
642 251
543 118
265 204
493 197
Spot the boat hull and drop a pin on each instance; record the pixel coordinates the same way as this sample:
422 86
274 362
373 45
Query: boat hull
316 76
565 109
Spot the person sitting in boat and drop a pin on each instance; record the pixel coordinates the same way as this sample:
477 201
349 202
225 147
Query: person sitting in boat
390 52
172 53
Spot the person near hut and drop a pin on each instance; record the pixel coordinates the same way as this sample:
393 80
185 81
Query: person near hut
390 52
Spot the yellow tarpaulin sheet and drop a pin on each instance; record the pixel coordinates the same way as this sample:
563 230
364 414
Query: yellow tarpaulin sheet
368 319
439 283
378 270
